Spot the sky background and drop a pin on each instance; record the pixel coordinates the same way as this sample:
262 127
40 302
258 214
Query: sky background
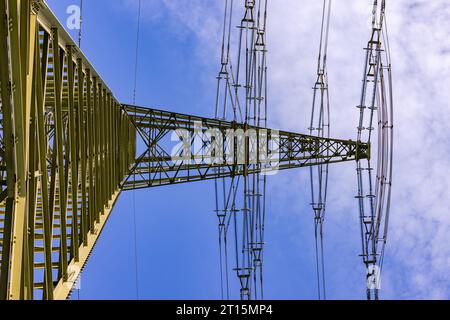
176 226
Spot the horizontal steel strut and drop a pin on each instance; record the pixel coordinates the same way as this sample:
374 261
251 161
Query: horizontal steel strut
68 148
207 144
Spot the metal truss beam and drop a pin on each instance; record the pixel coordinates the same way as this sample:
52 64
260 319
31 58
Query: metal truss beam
271 150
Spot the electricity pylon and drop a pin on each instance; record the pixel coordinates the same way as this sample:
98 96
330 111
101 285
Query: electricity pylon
68 149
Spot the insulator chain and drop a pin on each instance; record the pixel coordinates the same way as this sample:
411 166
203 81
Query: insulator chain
320 127
241 96
374 181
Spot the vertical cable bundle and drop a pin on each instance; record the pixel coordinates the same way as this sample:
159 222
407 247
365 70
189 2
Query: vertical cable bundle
242 97
376 115
320 127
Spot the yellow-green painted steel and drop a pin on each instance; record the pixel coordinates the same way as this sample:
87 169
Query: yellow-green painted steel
60 133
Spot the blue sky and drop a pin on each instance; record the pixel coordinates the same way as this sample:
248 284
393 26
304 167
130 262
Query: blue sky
176 226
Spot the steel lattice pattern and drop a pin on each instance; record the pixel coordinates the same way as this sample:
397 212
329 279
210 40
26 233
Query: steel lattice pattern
66 147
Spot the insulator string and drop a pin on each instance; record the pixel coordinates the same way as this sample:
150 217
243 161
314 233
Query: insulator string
374 192
320 127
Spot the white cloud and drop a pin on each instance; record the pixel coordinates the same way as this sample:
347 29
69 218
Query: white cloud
420 222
